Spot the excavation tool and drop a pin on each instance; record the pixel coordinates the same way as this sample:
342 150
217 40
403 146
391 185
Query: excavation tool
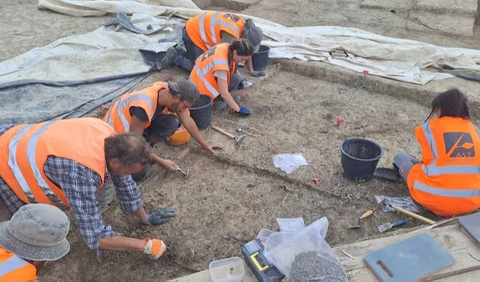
409 213
387 174
240 130
387 226
183 172
237 140
358 223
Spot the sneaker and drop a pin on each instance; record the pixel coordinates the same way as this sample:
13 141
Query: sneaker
180 50
168 59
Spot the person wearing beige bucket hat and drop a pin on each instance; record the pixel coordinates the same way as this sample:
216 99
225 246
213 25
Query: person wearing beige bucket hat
65 163
35 234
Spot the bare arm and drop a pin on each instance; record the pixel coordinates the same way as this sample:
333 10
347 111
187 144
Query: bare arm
227 97
192 128
121 243
137 125
249 64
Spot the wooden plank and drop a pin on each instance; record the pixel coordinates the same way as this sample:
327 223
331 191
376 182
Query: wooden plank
465 277
451 238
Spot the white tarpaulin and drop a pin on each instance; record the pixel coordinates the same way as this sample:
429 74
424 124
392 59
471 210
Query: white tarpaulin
399 59
101 53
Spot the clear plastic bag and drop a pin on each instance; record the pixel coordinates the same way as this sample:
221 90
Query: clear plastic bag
305 255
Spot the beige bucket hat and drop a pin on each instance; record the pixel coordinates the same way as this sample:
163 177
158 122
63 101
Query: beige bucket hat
36 232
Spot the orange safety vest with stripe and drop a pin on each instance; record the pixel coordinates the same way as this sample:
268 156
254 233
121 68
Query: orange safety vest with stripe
448 180
25 149
119 117
14 268
213 60
204 30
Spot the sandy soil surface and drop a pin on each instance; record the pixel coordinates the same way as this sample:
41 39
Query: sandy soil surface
228 197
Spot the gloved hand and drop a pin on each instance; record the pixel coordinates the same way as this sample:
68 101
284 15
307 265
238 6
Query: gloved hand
256 73
159 216
154 248
244 111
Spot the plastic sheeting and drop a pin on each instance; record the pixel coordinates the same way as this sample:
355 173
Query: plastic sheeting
74 75
399 59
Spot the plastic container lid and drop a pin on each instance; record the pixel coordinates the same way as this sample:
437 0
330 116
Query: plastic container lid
230 269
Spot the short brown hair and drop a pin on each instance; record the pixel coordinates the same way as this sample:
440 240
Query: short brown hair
129 148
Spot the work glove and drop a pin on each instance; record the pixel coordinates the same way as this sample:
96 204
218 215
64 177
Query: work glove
159 216
256 73
154 248
244 111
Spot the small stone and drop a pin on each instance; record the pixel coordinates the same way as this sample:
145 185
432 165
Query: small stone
335 207
300 193
250 185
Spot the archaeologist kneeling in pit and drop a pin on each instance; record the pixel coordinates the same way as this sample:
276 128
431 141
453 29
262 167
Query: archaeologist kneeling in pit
65 163
208 29
447 180
214 69
34 235
156 112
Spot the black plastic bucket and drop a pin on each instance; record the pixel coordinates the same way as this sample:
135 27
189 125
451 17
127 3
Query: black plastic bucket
359 158
201 112
260 58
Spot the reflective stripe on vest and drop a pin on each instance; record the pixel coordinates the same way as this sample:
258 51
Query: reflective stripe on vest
32 161
432 169
430 139
11 264
122 104
202 30
202 72
213 22
453 193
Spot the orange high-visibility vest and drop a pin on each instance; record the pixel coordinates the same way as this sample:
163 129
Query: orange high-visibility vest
119 117
448 180
213 60
14 268
25 148
204 29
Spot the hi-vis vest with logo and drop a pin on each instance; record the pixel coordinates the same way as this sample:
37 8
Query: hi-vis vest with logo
26 147
14 268
203 73
204 30
449 179
118 116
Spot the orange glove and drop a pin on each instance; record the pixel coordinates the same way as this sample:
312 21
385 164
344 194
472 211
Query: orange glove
154 248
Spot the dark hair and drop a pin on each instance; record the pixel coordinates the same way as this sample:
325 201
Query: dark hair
451 103
242 46
129 148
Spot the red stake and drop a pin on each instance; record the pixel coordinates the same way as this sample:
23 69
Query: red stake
365 72
316 181
339 121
